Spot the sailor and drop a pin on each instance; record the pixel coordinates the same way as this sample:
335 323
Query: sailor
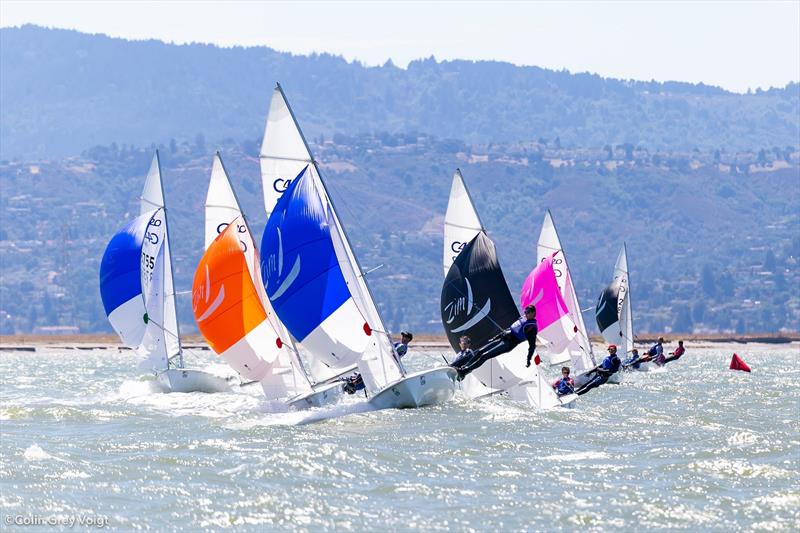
523 329
656 352
602 372
353 384
634 362
565 384
402 347
466 353
679 351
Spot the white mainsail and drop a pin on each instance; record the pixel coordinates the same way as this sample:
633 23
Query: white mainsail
625 309
286 377
579 352
284 155
153 198
461 220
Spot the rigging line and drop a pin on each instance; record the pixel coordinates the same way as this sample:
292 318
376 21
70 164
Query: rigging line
168 332
454 225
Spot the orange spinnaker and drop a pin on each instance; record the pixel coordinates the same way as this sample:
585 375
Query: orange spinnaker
224 299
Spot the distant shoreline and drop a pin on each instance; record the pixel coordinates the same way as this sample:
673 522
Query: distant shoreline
91 340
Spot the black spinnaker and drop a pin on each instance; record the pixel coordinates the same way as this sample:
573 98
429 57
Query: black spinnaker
475 297
606 313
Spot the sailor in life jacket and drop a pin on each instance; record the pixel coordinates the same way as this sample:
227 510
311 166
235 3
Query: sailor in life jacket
466 353
679 351
402 347
565 384
523 329
634 362
656 352
610 365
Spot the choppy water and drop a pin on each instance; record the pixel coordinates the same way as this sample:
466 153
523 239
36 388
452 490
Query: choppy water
694 447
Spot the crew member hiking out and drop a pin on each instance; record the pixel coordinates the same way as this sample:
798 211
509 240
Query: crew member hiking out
656 352
466 353
523 329
402 347
355 382
602 372
679 351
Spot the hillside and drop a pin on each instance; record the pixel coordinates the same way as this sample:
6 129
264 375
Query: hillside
713 237
63 91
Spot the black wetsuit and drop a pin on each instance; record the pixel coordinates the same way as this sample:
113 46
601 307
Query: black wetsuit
462 357
519 331
607 368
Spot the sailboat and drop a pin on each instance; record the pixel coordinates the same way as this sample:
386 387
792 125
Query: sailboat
319 291
613 311
284 155
476 302
579 352
232 310
137 290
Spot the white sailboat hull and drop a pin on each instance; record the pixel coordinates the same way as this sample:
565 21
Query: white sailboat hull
428 387
321 395
186 380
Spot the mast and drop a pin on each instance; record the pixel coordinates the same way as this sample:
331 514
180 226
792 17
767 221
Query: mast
348 246
153 198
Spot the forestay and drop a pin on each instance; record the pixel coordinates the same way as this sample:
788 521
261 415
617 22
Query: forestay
579 352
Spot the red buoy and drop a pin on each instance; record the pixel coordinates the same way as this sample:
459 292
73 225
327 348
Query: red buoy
738 364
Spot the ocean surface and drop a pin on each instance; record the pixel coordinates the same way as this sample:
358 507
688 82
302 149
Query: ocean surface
696 446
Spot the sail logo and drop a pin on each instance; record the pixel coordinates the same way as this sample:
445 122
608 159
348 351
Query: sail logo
240 228
202 294
280 185
463 305
275 267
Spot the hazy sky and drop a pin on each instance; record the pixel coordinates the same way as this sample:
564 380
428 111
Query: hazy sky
737 45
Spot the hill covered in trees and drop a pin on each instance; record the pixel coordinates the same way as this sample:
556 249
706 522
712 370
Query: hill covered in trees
63 91
713 237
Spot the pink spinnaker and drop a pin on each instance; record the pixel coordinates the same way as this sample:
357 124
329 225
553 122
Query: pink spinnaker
552 316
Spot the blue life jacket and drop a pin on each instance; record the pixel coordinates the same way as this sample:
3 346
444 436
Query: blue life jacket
633 362
401 348
518 328
657 349
611 363
564 387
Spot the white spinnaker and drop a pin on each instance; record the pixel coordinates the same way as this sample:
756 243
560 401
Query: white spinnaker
461 220
579 353
284 153
152 274
153 198
286 377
